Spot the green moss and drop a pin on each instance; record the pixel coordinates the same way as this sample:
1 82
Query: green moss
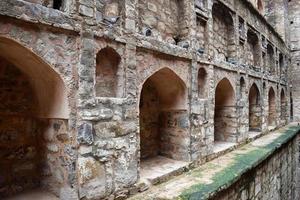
242 163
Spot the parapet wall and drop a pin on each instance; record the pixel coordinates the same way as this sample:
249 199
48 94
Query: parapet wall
274 178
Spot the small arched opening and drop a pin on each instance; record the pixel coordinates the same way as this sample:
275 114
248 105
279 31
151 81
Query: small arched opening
225 112
253 48
107 73
281 65
223 31
255 111
270 60
272 108
242 88
202 83
283 106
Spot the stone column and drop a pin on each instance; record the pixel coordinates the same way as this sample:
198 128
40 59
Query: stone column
209 135
265 104
197 117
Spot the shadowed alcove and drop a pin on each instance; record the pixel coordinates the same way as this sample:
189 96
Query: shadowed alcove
225 112
223 32
255 111
164 136
272 107
283 106
202 84
33 123
163 116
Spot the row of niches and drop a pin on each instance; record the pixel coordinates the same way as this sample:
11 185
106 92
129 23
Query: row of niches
109 79
166 22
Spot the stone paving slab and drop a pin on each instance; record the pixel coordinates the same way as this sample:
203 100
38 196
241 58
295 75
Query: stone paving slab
153 169
220 173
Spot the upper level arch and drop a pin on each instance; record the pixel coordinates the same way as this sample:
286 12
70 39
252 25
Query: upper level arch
224 94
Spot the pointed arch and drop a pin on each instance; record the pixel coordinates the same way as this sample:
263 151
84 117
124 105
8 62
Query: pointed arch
255 111
202 83
224 94
163 100
107 73
272 107
44 80
171 89
242 87
283 105
225 112
34 110
223 20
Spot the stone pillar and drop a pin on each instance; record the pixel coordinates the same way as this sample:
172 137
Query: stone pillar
264 101
130 16
197 115
260 62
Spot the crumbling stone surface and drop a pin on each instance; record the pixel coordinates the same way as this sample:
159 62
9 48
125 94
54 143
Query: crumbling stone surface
101 85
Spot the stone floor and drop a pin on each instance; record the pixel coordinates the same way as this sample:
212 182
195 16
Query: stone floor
271 128
173 188
34 195
254 134
159 167
220 146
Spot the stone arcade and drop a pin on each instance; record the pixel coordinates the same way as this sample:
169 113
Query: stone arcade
108 99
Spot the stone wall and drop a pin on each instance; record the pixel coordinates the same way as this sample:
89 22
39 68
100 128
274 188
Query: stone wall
99 147
274 178
175 138
161 18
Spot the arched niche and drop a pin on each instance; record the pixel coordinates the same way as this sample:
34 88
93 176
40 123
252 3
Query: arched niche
108 73
33 123
253 47
225 111
255 111
272 107
223 31
242 87
283 105
202 83
163 109
270 59
50 90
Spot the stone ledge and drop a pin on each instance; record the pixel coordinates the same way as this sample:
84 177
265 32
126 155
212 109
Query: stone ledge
219 174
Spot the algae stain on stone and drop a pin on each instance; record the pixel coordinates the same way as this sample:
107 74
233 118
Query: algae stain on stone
242 162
